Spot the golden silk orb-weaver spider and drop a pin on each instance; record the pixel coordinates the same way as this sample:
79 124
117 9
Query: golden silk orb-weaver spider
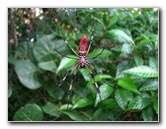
82 62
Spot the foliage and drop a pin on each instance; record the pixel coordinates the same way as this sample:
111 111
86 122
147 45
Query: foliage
129 63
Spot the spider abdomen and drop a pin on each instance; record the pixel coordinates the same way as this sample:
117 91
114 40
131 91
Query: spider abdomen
83 46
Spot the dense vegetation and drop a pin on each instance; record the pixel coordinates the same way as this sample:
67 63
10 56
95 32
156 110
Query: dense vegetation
129 63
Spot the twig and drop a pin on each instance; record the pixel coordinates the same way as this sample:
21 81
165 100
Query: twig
54 119
14 28
85 114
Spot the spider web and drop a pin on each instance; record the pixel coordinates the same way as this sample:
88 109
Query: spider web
35 69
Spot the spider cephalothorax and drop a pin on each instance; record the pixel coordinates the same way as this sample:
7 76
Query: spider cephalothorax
82 62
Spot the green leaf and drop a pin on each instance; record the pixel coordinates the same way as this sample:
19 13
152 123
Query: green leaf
103 115
143 42
110 103
138 103
138 60
28 74
112 21
10 90
85 73
120 36
55 92
47 62
147 114
51 109
149 86
105 92
97 51
153 63
66 107
84 102
97 78
117 49
12 60
23 49
74 116
97 115
155 104
126 49
30 112
100 21
65 63
121 67
46 45
143 71
148 38
128 84
123 97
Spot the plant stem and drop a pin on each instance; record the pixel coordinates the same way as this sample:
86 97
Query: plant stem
14 29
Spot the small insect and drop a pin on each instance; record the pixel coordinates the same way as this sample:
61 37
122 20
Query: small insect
82 62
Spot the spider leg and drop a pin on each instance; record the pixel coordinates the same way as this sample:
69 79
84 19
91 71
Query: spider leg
91 39
90 42
97 88
70 88
71 69
64 55
64 39
97 54
95 71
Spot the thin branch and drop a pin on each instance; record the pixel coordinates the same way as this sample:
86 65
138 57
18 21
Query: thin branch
14 28
85 114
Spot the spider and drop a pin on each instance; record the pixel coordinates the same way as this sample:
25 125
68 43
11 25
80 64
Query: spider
82 62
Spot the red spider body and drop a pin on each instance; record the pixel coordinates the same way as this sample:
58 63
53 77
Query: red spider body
83 46
82 51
